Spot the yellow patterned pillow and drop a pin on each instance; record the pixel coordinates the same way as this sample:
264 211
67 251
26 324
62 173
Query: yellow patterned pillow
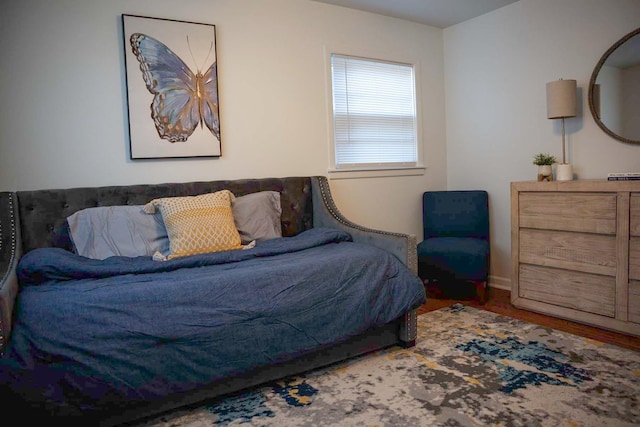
198 224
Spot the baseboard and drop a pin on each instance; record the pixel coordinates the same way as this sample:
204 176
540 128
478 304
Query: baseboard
497 282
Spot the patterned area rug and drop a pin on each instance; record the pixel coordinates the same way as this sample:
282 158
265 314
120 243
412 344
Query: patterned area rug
469 368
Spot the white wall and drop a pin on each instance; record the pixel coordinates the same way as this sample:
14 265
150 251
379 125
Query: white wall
496 68
63 119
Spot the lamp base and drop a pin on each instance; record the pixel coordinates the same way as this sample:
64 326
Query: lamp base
564 172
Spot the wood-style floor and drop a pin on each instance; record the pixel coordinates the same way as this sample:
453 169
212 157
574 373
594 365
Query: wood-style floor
499 302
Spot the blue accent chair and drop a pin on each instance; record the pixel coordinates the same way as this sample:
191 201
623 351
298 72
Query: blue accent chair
456 239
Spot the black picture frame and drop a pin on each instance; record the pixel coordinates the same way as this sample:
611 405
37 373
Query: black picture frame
172 88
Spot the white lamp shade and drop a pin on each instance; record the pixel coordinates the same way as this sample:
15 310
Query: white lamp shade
562 99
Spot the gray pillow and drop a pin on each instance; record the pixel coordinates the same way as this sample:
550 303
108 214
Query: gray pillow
107 231
257 216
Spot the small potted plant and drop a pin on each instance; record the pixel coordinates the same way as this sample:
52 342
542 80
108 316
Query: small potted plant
544 162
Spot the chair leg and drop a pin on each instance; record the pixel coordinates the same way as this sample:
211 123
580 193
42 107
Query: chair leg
482 288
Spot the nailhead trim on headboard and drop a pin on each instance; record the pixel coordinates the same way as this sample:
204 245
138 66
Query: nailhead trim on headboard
331 206
12 254
412 258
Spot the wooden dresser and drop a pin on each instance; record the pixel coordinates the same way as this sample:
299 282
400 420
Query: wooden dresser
575 250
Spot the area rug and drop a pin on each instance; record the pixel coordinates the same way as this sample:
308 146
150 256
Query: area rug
469 368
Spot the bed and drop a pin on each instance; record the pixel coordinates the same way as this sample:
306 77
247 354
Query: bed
105 340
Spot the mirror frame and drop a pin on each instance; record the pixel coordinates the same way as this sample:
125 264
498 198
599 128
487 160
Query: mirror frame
592 83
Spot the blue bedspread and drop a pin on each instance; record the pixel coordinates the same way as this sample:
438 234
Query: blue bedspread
90 332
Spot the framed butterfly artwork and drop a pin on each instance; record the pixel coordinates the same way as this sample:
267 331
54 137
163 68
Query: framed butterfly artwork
172 88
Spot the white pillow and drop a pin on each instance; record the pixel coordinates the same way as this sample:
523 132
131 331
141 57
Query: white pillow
107 231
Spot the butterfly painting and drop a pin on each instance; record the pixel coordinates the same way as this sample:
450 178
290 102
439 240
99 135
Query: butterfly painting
181 101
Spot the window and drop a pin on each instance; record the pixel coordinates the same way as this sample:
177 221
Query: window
374 114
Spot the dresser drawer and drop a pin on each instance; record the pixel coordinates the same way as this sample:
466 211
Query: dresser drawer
586 212
634 226
634 258
590 253
586 292
634 301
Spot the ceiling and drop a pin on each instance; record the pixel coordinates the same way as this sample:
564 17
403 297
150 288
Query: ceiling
437 13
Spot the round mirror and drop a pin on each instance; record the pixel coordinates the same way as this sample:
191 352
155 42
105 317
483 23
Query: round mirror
614 90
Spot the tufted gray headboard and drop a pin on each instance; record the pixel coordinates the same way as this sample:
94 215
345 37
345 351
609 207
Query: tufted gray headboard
43 213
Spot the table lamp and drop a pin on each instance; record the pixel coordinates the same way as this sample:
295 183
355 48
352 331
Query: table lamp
562 103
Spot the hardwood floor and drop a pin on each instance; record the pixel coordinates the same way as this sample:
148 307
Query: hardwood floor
499 302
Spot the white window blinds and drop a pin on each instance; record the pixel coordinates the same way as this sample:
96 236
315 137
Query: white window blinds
374 113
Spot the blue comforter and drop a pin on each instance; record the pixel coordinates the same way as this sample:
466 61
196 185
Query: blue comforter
90 332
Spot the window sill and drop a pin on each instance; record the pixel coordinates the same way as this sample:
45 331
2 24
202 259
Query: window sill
375 173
